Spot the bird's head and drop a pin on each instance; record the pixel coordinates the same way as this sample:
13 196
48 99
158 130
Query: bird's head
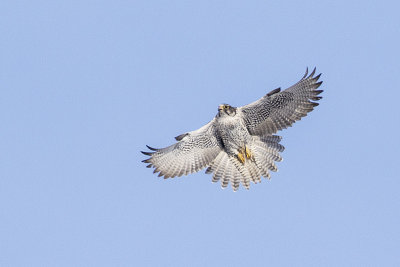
226 110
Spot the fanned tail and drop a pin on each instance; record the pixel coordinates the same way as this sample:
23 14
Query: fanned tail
227 168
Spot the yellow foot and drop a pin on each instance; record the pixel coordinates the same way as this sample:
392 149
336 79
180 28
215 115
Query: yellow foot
248 152
240 157
244 154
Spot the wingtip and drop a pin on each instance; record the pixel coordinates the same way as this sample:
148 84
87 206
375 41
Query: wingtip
318 84
316 98
317 77
147 153
314 104
152 148
305 75
313 72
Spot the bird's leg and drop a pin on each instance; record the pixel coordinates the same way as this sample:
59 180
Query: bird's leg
240 155
248 152
244 153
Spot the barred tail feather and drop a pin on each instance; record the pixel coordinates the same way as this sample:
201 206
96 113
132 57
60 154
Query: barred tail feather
228 169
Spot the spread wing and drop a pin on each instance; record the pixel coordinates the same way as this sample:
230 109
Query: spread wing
194 151
278 110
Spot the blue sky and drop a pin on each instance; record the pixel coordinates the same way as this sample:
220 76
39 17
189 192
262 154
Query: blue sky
85 85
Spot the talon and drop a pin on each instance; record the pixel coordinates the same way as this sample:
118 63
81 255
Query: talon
248 152
240 157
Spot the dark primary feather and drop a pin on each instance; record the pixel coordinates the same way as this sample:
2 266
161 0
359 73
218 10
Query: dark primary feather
277 90
180 137
279 110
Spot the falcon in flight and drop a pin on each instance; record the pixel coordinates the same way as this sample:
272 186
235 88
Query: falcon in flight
239 144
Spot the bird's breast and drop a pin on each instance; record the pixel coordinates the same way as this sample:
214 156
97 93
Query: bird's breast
233 132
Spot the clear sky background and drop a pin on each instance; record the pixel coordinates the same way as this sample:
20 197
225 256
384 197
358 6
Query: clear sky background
85 85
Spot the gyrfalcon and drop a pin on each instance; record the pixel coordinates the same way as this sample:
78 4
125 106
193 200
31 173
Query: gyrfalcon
239 144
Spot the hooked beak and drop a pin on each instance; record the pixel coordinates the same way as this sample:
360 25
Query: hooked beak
220 107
